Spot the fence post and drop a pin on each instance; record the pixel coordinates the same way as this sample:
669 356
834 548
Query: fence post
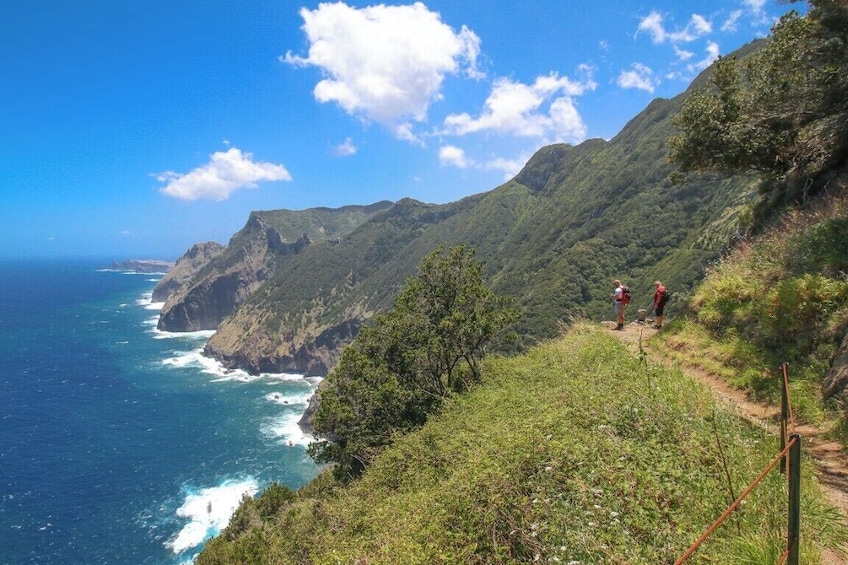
784 416
794 526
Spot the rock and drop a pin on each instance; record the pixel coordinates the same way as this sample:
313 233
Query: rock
186 268
836 381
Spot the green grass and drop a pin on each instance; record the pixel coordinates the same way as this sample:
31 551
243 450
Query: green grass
779 298
577 452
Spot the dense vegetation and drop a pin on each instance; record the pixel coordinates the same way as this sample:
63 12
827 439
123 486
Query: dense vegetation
782 298
781 111
402 368
553 239
577 452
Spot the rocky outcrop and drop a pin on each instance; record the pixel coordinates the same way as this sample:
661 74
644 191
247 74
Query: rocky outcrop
263 352
186 268
228 279
836 381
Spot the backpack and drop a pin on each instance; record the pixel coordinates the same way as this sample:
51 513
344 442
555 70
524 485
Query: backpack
664 297
625 294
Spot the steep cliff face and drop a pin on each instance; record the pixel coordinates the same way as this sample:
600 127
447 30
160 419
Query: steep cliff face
186 268
217 280
267 352
221 285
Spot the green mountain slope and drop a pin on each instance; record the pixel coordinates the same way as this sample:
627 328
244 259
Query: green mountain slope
554 238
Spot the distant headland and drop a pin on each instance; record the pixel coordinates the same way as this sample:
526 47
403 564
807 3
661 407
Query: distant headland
142 265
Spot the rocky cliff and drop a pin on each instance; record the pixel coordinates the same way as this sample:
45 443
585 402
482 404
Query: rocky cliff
186 268
219 287
216 280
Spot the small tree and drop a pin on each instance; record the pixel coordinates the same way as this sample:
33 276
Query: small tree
401 368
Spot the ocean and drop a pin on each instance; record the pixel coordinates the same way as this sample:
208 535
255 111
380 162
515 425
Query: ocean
121 444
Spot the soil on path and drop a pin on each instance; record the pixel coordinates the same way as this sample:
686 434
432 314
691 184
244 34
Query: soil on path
830 457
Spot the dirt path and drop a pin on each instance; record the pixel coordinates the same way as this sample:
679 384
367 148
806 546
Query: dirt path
830 458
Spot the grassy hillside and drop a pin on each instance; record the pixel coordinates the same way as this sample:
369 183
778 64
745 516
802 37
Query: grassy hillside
577 452
780 298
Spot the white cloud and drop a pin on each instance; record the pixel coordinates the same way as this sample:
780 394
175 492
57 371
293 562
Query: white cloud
345 149
454 156
652 24
732 21
682 54
384 63
514 108
640 77
509 167
225 173
713 51
756 6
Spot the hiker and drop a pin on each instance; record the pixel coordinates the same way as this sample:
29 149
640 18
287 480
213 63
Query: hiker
619 301
660 298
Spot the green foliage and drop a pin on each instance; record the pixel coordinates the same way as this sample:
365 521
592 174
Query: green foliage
574 452
782 297
780 110
399 370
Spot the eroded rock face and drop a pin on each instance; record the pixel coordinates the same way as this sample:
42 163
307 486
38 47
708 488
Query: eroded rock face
186 268
835 383
264 353
225 280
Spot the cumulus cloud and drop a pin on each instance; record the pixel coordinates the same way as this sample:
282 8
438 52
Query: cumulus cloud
345 149
384 63
226 172
454 156
653 25
544 109
640 77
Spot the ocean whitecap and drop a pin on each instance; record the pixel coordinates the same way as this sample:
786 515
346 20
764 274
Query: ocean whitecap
208 511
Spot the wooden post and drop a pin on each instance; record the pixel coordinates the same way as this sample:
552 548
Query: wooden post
794 525
784 416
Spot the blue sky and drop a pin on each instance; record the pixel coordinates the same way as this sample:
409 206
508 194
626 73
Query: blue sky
133 129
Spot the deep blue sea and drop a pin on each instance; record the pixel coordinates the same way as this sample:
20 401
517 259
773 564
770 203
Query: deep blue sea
121 444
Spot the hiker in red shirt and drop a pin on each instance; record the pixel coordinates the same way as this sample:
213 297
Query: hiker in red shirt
660 298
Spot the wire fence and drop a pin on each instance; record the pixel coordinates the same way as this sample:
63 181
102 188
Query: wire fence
790 460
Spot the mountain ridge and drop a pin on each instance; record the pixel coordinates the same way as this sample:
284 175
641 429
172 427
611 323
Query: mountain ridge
553 237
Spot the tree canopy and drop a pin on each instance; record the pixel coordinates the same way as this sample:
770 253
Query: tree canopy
781 111
399 370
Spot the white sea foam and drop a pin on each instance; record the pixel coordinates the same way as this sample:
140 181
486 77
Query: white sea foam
160 334
297 400
208 511
285 430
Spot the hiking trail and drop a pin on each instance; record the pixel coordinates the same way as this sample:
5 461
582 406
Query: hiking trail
829 457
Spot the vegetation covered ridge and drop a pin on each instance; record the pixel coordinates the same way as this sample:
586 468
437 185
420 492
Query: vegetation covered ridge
577 452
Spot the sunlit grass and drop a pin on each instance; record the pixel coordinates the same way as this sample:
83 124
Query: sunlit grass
577 452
